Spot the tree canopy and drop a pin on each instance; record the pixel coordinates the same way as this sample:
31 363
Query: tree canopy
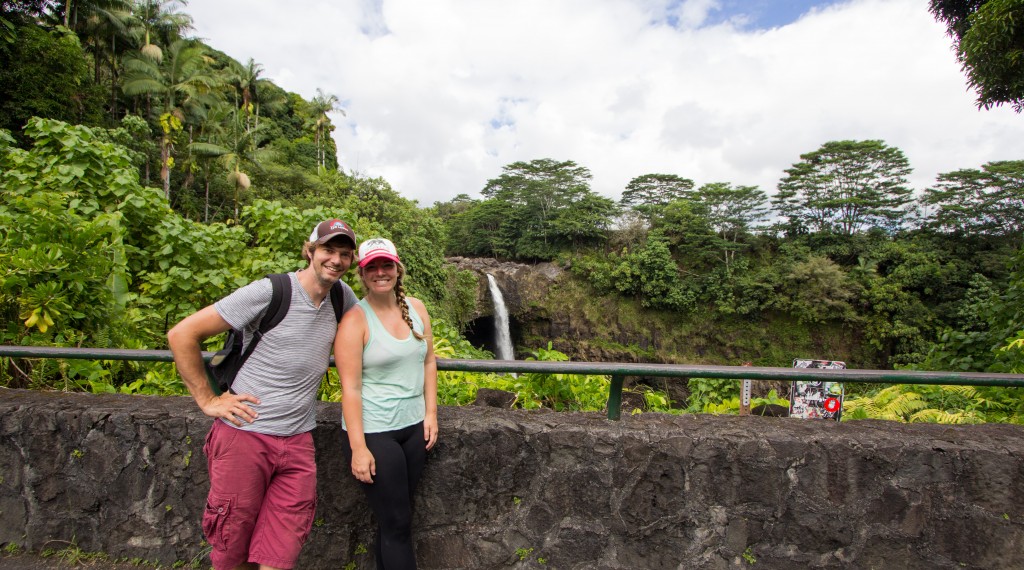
846 187
988 36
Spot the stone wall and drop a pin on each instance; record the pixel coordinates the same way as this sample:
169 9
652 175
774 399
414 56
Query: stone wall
514 489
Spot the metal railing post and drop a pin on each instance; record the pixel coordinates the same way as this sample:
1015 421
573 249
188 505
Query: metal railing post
615 397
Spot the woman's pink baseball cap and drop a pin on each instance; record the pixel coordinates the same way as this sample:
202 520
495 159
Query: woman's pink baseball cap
377 247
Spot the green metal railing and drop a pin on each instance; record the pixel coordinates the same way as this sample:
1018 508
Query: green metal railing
617 370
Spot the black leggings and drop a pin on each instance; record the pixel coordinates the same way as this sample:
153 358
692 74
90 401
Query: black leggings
399 456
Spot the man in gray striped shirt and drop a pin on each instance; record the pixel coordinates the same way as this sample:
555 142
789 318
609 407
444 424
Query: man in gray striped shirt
260 452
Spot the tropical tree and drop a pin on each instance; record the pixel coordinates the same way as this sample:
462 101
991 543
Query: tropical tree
648 193
482 229
686 227
322 104
845 187
183 85
160 23
988 36
986 201
540 192
100 25
235 146
245 79
586 222
732 212
46 74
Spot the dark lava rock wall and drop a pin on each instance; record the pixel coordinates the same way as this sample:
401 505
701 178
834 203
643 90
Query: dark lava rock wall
126 475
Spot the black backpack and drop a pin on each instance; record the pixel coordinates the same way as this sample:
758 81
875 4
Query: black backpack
225 364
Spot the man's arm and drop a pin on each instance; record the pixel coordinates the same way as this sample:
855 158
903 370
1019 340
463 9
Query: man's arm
184 341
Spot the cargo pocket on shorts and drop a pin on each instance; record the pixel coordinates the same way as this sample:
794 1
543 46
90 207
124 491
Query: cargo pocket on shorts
307 521
216 525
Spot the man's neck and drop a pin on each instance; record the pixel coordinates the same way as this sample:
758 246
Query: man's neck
316 291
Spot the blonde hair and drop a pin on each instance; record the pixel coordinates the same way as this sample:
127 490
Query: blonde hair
400 297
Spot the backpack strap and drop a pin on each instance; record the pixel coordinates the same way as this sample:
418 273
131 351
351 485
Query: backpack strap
281 289
338 299
280 301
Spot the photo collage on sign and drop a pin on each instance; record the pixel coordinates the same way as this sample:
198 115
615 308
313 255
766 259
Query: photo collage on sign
817 398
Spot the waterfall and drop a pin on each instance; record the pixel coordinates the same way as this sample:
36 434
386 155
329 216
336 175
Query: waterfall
502 336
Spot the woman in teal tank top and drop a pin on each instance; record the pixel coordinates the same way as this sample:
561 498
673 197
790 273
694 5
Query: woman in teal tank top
385 357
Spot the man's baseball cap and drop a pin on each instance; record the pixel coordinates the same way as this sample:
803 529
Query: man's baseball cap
327 230
375 248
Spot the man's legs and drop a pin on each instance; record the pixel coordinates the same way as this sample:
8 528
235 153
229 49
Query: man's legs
289 504
238 479
262 497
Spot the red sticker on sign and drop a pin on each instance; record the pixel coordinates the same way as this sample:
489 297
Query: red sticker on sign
832 405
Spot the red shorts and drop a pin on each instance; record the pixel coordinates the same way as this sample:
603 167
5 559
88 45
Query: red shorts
262 496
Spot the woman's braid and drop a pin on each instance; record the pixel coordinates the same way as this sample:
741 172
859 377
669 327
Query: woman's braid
400 294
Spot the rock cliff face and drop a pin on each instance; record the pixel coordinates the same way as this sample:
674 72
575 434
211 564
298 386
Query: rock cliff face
521 285
547 303
126 475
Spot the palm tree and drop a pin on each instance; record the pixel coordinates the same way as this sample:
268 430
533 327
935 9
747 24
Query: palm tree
235 145
160 18
183 85
271 97
245 79
322 104
105 30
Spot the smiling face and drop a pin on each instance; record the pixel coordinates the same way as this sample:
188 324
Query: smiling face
330 261
380 275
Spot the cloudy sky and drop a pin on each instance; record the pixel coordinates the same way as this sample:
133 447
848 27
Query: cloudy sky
439 95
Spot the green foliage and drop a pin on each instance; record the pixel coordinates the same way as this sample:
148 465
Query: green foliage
818 290
845 187
705 392
45 73
988 35
648 274
67 276
986 201
938 404
649 193
987 340
731 404
582 392
578 392
533 211
459 388
732 212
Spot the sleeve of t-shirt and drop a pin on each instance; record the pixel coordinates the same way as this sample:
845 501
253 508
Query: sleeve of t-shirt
246 305
349 298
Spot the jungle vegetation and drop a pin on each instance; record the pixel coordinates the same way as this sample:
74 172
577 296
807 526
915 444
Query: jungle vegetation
144 174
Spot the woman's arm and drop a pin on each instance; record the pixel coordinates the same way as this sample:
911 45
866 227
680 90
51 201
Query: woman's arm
429 376
348 357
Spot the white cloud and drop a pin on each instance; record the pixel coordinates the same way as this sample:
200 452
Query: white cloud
440 95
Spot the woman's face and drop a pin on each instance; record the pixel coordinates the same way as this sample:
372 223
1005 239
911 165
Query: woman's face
379 275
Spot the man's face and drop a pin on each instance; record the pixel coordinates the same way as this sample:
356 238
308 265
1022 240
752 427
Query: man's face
331 260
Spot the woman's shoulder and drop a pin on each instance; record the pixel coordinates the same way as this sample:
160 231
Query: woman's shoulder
416 304
354 316
419 307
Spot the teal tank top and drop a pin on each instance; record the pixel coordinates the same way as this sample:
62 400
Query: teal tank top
392 376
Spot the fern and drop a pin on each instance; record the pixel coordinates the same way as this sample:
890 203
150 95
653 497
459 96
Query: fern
934 416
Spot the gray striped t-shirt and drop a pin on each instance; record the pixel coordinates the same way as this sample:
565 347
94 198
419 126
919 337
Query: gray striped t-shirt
284 371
